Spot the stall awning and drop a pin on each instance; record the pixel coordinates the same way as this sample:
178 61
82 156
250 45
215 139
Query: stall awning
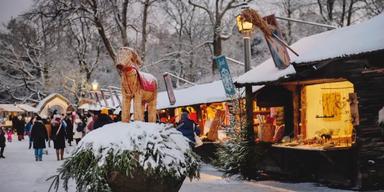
10 108
338 43
27 108
198 94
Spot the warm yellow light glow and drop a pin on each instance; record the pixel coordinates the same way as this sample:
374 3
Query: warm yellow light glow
243 26
327 109
95 85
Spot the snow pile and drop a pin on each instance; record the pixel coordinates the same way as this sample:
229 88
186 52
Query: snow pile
158 147
381 116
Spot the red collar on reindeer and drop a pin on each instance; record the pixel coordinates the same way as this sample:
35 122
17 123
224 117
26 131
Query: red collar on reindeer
148 83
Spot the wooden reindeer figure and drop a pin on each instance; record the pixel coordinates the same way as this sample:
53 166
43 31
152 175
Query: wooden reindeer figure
136 85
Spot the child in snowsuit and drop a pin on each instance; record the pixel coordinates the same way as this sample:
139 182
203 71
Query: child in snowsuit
9 135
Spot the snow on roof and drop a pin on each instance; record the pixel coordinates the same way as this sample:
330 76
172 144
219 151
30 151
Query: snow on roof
27 108
198 94
265 72
355 39
43 102
169 144
10 108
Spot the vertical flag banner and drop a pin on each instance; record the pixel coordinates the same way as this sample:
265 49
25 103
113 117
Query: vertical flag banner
226 77
278 50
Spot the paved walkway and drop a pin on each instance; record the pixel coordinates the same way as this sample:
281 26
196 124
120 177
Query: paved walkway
19 172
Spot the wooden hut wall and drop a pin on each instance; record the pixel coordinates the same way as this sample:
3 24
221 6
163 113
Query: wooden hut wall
366 72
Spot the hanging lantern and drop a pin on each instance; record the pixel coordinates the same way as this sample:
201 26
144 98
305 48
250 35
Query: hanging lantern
243 26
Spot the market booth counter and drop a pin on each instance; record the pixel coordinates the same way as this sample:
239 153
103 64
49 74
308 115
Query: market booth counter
212 120
309 128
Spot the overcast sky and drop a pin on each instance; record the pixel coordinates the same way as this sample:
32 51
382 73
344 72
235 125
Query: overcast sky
12 8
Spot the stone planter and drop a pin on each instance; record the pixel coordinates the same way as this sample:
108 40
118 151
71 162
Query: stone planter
130 157
141 183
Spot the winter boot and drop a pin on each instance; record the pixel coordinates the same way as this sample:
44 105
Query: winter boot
36 158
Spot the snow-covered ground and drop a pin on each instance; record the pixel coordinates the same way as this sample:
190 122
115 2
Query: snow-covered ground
19 172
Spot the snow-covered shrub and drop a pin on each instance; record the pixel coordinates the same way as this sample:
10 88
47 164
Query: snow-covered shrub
135 151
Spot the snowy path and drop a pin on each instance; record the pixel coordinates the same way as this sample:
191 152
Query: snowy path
19 172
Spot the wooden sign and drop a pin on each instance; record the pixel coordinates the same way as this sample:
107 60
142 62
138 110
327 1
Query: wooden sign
169 87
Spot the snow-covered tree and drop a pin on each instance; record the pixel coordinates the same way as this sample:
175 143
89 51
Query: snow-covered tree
216 11
24 62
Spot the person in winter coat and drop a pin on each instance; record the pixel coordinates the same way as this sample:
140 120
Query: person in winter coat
78 128
39 136
48 128
69 129
28 129
90 121
187 127
102 119
58 136
2 142
19 124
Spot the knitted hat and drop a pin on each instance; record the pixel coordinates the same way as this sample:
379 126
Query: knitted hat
104 111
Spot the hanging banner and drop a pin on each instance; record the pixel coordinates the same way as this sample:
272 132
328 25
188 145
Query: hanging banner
226 77
169 87
278 50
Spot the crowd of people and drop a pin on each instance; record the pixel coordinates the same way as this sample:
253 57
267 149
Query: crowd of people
69 127
58 128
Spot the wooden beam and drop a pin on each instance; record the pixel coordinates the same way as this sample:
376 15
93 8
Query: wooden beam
314 81
380 70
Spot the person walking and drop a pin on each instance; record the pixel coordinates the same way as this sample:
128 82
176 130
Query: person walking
69 129
102 119
28 129
78 128
58 136
90 121
39 136
19 124
2 142
188 128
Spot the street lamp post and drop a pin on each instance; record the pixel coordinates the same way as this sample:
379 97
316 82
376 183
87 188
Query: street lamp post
246 29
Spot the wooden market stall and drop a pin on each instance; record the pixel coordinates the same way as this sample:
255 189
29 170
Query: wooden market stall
207 104
50 103
329 99
7 111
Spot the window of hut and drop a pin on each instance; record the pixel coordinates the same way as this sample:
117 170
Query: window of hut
326 113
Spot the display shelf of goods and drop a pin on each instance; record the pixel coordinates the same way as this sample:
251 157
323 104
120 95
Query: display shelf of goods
134 156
